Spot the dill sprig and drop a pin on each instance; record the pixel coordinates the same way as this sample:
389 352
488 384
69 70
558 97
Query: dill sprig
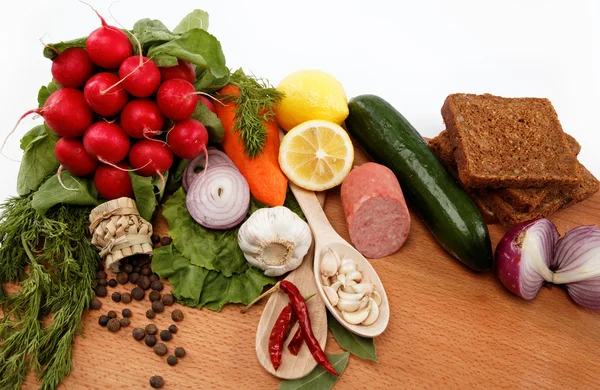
61 265
254 104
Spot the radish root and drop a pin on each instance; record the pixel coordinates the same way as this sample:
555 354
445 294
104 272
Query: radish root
58 172
55 50
104 24
129 74
103 161
208 96
137 42
36 111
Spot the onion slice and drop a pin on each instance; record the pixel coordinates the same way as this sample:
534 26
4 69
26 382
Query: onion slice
524 257
197 164
220 198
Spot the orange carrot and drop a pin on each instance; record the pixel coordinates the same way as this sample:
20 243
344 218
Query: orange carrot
267 182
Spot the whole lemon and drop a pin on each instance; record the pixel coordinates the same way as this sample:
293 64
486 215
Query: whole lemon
310 94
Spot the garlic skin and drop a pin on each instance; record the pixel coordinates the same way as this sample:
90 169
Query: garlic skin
275 240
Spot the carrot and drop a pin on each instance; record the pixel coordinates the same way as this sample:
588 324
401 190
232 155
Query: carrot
267 182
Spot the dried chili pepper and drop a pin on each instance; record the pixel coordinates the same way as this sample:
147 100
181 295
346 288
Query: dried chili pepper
296 343
281 330
299 307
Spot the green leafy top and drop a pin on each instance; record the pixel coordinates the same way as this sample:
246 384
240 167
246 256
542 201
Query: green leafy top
319 379
195 19
38 160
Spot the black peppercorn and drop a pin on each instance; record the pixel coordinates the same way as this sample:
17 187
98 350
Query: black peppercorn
124 322
157 382
113 325
101 282
156 285
112 314
154 296
101 275
165 335
146 271
134 261
112 283
138 333
137 269
173 328
100 266
167 299
172 360
137 293
177 315
144 282
95 304
116 296
154 277
150 314
128 268
103 320
134 277
100 291
160 349
179 352
158 306
166 240
155 238
122 277
126 297
150 340
126 313
151 329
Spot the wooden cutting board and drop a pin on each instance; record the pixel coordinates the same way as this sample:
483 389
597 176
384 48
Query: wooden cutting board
449 328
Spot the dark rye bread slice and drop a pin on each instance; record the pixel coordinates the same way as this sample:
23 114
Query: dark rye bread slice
508 142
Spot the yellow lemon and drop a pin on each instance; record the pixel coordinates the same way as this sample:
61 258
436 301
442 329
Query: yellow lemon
316 155
310 94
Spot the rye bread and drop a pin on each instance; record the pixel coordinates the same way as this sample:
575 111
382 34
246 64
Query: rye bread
588 185
508 142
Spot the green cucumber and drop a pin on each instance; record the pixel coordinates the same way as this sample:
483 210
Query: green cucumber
449 213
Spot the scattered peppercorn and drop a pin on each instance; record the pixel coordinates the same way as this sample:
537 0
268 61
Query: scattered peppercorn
113 325
134 261
160 349
136 269
101 275
100 266
154 296
137 293
166 240
179 352
122 277
157 382
167 299
116 296
112 282
146 271
128 268
156 285
103 320
126 313
150 314
134 277
154 277
95 304
150 340
144 282
151 329
158 306
173 328
124 322
112 314
172 360
100 291
177 315
138 333
165 335
155 238
101 282
126 297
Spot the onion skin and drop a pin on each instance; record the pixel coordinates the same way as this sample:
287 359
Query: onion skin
215 156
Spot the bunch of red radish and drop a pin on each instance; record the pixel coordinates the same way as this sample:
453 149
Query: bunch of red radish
108 122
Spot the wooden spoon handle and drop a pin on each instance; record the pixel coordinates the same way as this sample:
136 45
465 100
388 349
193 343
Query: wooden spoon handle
313 211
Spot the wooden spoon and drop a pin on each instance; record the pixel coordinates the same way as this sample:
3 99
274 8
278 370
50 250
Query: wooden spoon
293 367
326 237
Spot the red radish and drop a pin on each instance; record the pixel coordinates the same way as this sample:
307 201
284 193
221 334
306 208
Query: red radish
106 142
113 182
140 76
183 70
101 101
150 158
208 103
141 118
177 99
71 154
108 46
72 68
188 138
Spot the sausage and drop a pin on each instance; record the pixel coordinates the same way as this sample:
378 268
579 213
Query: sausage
376 214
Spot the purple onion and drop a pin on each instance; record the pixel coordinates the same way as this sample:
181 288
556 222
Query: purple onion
219 198
524 257
215 156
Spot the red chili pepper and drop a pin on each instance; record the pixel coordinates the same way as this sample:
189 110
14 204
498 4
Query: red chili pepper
281 330
299 307
296 343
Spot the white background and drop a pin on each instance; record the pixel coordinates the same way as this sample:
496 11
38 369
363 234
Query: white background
411 53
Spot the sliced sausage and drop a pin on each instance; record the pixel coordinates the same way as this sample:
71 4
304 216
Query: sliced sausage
375 210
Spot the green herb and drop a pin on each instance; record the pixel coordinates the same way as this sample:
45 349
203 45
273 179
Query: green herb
61 268
50 51
195 19
38 159
46 91
146 196
362 347
176 174
254 104
81 192
319 379
210 121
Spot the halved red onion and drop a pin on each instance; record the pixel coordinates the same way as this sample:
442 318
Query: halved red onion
197 164
577 259
524 257
219 198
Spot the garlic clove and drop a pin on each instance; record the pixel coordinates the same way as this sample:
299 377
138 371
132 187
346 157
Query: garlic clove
348 306
356 317
341 278
331 295
337 259
363 303
366 279
365 288
325 281
347 267
329 264
376 297
349 296
336 285
349 289
373 313
354 275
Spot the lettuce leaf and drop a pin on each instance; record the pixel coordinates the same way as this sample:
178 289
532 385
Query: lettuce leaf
81 192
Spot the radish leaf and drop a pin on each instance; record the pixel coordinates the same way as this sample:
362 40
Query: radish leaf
150 32
210 121
195 19
38 159
81 192
45 92
62 46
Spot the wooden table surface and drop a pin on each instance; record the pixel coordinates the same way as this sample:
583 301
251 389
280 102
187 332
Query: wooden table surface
449 328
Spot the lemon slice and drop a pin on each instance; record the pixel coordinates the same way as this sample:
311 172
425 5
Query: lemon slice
316 155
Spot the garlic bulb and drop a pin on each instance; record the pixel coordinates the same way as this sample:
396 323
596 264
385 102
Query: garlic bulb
275 240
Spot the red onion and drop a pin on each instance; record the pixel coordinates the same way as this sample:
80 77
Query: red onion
219 198
524 257
577 260
215 156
